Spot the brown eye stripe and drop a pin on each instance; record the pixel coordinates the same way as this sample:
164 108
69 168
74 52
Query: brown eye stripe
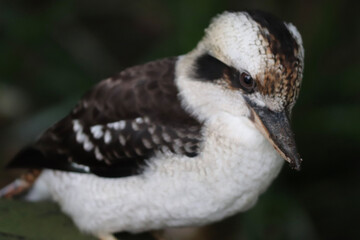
209 68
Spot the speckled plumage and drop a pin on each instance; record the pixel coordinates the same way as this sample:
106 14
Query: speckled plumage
118 124
174 191
187 141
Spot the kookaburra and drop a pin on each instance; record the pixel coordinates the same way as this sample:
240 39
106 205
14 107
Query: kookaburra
182 141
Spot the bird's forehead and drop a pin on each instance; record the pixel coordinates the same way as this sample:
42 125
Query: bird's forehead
234 39
267 48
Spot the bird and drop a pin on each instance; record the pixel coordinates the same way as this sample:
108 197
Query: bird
181 141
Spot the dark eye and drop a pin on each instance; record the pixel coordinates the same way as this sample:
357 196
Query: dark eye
247 82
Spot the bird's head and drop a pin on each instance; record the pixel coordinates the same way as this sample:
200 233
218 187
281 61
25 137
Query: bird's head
257 62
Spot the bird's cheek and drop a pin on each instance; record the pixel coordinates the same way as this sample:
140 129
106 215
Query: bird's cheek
245 133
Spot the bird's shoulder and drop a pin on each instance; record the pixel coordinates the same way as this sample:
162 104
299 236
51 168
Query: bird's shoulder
119 124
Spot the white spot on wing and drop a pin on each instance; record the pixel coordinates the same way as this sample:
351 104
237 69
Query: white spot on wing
77 127
178 142
80 166
180 134
107 137
165 149
177 148
139 120
151 129
122 140
166 137
122 124
81 137
146 120
117 125
134 126
155 139
188 147
114 125
98 155
88 146
193 128
97 131
138 151
146 143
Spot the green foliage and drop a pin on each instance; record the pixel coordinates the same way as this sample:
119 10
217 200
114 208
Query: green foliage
36 221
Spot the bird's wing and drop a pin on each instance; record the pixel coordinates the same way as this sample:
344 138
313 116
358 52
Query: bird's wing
118 125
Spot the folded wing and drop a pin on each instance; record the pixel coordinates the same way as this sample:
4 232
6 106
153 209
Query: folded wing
118 125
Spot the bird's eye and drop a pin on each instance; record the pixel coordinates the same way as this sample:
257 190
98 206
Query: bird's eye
247 82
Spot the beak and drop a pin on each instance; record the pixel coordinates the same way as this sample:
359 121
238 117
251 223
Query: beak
276 128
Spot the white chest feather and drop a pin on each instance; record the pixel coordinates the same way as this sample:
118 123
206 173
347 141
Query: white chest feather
227 177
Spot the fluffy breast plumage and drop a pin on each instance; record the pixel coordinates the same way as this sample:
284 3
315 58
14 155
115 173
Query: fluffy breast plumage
226 178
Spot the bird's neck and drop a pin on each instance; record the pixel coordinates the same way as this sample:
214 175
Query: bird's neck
236 151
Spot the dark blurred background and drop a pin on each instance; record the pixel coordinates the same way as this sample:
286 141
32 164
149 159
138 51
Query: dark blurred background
51 52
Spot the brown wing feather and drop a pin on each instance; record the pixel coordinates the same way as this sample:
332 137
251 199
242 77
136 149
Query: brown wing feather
119 124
